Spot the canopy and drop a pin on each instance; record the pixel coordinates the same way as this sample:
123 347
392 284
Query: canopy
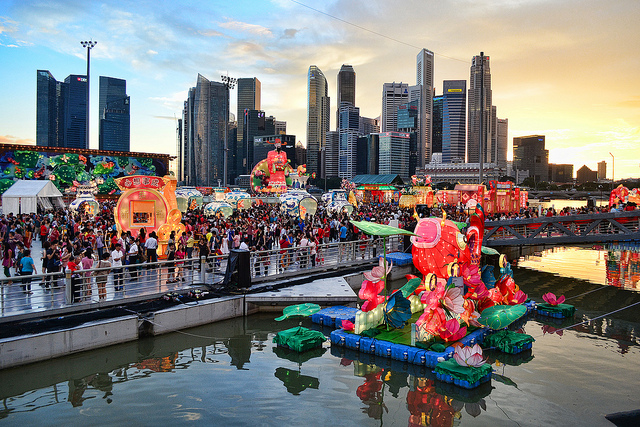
26 195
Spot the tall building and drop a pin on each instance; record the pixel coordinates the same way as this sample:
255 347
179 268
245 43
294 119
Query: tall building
249 98
113 113
301 154
49 111
529 153
480 79
281 127
61 111
436 124
368 125
502 142
408 122
348 132
454 121
393 95
424 78
393 154
602 170
331 155
205 118
255 123
346 88
560 173
318 117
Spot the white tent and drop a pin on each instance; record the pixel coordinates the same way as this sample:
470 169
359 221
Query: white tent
25 196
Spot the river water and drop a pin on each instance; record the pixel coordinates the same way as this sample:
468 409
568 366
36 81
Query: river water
230 374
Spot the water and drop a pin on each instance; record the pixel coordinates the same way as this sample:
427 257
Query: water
229 373
559 204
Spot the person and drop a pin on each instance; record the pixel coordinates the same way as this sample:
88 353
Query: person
86 264
151 244
27 268
181 254
243 244
133 259
7 260
171 256
284 254
102 275
53 262
303 254
116 262
313 245
73 266
100 244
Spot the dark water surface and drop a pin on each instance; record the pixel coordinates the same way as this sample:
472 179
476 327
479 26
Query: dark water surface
229 373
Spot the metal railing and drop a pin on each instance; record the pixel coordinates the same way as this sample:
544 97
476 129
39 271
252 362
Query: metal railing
573 229
59 293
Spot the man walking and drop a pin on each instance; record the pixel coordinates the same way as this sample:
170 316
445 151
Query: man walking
116 262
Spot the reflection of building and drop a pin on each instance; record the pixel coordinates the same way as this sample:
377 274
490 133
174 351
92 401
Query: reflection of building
113 113
529 154
318 117
61 111
205 117
584 174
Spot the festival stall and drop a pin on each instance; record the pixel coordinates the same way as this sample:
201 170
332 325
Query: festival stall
377 188
422 191
148 202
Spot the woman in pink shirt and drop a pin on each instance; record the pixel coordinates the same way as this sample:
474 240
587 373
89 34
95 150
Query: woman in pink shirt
87 264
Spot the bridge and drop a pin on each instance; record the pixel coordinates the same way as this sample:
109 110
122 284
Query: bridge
563 230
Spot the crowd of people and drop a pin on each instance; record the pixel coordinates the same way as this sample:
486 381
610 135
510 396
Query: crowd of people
80 244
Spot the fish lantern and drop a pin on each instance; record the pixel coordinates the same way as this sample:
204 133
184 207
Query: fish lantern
438 243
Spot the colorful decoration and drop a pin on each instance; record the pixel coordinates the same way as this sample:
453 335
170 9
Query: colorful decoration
469 356
271 175
298 310
298 203
218 208
501 316
551 299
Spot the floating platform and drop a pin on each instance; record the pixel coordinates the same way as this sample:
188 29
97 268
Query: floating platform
399 258
333 316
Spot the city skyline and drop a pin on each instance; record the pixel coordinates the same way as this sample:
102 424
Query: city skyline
571 76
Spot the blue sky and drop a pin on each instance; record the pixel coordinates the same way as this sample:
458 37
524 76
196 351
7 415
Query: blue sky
564 69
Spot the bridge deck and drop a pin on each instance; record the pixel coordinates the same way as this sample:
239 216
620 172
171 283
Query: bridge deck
560 230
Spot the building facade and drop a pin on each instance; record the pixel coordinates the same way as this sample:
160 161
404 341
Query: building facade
393 154
479 110
61 111
249 98
424 79
585 174
114 115
346 88
369 125
205 121
602 170
255 123
502 142
393 95
437 124
529 153
331 155
454 121
560 174
318 117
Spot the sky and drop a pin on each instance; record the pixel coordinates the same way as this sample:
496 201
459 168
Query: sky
566 69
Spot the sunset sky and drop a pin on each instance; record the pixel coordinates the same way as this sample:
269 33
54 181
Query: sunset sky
569 70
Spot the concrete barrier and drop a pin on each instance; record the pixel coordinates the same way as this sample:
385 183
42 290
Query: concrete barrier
25 349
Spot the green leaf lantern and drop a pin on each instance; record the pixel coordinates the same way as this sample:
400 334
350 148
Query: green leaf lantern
27 159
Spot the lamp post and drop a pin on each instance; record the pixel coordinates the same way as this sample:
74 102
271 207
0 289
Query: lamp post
613 170
89 45
229 83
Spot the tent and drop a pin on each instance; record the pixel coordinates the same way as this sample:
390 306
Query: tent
25 196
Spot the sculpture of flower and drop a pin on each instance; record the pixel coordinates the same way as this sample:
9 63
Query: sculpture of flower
470 314
452 331
432 321
551 299
471 275
469 356
370 293
453 300
378 273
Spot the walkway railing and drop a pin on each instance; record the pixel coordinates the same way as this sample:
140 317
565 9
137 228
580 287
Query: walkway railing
557 230
57 293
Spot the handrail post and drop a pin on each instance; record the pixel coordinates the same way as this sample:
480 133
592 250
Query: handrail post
203 269
68 288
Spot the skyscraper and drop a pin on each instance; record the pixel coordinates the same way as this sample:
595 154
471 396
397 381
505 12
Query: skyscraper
368 125
61 111
436 124
424 78
113 113
529 153
318 117
205 117
393 95
602 170
256 123
348 126
393 152
49 111
331 154
502 140
454 121
480 78
249 98
346 88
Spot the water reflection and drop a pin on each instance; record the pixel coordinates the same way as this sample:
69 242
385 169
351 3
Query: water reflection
623 265
294 381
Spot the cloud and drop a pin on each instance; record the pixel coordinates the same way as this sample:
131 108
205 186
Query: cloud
246 27
166 117
10 139
151 52
210 33
8 25
290 33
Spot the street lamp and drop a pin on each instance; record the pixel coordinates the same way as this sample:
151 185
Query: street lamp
613 170
89 45
229 83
